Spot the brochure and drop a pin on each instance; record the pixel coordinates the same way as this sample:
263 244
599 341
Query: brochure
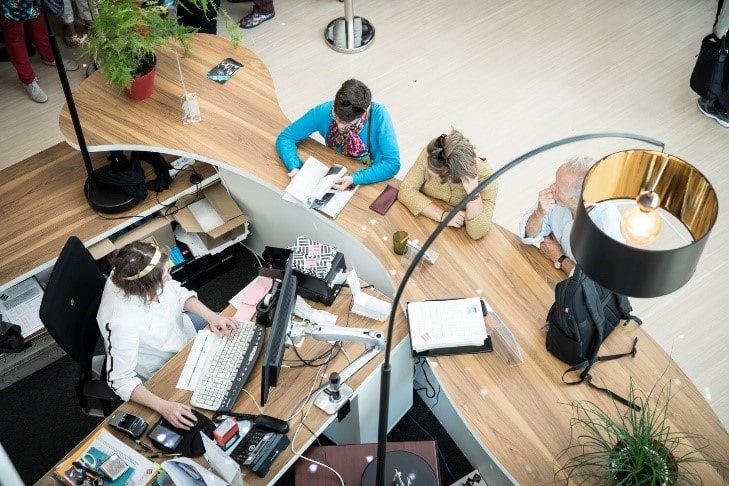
224 70
312 187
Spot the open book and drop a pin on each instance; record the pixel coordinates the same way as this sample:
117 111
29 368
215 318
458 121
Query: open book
448 326
312 187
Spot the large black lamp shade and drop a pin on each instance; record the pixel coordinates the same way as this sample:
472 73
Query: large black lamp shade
681 193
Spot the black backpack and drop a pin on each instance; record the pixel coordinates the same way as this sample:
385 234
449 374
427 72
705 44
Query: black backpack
583 315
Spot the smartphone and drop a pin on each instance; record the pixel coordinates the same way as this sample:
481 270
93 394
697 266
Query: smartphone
163 437
130 424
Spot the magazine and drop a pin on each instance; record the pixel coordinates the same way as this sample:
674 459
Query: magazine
312 187
224 70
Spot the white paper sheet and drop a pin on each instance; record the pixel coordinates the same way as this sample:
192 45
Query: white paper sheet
221 462
20 304
205 344
365 304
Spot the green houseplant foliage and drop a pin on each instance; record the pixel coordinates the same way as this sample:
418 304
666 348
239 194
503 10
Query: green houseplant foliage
125 33
625 446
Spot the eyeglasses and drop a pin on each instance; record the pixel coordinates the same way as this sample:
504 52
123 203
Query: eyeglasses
347 104
440 143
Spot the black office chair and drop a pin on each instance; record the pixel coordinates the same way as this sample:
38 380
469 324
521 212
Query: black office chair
68 311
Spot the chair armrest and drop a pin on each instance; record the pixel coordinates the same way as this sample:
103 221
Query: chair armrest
99 390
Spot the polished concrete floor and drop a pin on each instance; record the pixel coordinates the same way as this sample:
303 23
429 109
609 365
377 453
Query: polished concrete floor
512 75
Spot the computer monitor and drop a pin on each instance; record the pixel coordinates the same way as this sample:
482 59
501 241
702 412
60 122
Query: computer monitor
273 356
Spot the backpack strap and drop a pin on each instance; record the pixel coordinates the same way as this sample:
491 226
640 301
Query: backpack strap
632 352
614 396
585 375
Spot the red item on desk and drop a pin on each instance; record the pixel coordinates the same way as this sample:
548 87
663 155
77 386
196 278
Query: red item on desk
225 431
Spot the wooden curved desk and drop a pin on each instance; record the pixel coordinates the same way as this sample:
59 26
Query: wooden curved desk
516 415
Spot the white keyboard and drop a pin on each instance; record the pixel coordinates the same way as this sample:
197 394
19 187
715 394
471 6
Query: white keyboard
228 367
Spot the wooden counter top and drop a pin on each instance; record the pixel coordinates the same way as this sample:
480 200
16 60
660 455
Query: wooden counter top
520 413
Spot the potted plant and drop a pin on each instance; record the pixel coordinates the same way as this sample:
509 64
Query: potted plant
125 34
630 445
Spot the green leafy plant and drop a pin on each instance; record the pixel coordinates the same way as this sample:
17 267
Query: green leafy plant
630 446
125 34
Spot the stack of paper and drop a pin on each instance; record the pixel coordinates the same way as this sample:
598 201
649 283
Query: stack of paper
437 324
20 305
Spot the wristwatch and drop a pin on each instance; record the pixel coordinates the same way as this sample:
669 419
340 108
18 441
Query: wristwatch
558 262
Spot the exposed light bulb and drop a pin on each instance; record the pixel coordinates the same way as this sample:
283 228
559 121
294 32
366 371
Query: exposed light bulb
641 224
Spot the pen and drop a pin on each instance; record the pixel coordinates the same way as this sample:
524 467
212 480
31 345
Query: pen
160 454
143 445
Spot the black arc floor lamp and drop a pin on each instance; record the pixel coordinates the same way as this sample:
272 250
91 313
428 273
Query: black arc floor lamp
101 197
657 183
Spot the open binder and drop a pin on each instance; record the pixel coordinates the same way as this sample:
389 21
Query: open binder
448 341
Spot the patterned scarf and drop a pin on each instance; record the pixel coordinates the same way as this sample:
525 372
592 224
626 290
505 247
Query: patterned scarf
347 141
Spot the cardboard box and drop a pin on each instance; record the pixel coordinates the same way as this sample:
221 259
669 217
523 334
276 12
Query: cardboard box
216 218
157 230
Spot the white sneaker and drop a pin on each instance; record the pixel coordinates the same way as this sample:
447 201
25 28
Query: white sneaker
35 92
68 64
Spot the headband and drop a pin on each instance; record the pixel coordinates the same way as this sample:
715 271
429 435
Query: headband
152 264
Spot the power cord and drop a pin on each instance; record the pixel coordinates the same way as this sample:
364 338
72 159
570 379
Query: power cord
440 452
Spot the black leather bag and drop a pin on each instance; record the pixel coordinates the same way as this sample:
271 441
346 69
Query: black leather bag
709 77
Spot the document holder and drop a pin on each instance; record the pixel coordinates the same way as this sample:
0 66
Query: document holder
486 347
504 342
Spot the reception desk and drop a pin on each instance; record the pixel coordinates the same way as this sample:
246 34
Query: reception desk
511 421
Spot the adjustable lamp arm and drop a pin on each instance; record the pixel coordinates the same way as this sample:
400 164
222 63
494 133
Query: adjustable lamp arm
386 366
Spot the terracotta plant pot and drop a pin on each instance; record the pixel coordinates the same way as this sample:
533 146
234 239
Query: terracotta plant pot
143 86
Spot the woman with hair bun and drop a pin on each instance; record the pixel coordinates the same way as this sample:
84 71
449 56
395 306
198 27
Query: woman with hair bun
145 318
446 171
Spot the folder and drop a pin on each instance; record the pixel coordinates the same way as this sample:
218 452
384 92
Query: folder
446 350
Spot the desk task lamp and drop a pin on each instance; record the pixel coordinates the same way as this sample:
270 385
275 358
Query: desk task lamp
101 197
660 185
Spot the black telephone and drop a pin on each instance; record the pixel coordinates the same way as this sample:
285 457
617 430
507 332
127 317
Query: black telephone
126 422
262 444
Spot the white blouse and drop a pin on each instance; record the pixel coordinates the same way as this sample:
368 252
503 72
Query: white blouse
141 337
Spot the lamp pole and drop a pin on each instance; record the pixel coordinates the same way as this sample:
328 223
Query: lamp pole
386 366
101 197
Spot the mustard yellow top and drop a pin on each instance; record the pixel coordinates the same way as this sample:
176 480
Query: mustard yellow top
419 186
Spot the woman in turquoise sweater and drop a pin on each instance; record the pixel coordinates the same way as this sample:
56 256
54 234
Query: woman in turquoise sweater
352 125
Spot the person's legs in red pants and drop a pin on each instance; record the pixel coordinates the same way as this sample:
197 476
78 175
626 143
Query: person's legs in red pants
14 33
39 34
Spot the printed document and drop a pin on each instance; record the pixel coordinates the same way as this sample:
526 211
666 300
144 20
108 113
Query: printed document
20 305
436 324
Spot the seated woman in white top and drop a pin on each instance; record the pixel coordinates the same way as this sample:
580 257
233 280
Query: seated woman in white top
143 324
